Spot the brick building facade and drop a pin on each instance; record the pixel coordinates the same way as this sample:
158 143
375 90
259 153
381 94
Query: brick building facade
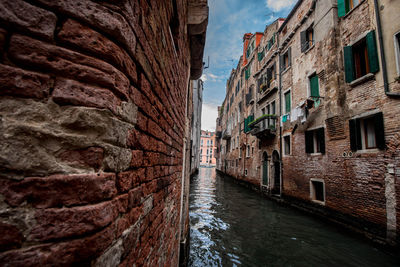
95 130
327 137
208 149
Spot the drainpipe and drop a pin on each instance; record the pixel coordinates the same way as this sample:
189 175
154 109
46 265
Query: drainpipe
382 53
280 114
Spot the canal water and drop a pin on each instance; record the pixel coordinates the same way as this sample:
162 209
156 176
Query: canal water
234 226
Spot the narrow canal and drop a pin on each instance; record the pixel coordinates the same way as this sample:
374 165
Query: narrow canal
234 226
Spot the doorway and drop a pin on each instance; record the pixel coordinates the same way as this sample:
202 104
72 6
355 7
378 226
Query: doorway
276 169
265 169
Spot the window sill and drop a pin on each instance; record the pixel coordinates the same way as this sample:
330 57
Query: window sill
368 151
308 49
315 154
363 79
318 202
285 70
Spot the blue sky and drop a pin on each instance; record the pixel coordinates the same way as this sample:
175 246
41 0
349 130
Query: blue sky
228 21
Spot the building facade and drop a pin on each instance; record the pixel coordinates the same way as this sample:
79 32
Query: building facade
196 124
322 123
95 132
208 149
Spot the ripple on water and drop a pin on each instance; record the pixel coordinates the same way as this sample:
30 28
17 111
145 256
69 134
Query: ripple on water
234 226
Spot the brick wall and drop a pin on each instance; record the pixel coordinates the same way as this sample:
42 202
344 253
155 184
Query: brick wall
92 125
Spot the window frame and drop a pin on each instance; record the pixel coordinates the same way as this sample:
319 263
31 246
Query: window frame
372 64
358 132
315 133
289 90
396 39
284 137
313 193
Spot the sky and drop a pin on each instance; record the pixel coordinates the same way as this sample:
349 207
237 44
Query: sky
228 21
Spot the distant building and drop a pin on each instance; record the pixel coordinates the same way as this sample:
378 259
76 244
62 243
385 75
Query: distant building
310 113
208 149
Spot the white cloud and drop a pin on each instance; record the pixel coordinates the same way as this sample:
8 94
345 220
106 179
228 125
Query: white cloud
203 77
279 5
209 116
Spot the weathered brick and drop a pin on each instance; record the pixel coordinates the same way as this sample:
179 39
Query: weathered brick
11 237
22 83
98 16
78 251
59 190
91 157
130 179
27 17
66 63
74 93
3 34
86 39
67 222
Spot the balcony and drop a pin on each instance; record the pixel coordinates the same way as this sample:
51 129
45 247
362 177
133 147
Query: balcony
226 134
265 92
249 98
264 126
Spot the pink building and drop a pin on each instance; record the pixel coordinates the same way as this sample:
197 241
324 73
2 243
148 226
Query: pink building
208 149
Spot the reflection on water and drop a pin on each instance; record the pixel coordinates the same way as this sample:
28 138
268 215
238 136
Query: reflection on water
234 226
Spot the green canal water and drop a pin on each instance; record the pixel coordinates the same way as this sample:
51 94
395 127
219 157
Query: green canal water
234 226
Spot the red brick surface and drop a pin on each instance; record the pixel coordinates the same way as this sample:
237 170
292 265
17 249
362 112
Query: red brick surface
107 137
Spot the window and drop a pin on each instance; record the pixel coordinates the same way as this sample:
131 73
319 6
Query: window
314 86
286 59
361 58
345 6
307 39
207 151
367 132
287 99
317 190
201 151
201 141
397 51
248 151
286 145
237 142
208 142
211 142
240 153
237 163
315 141
245 172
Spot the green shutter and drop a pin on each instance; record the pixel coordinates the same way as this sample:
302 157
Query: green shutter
372 52
341 8
348 63
287 102
314 86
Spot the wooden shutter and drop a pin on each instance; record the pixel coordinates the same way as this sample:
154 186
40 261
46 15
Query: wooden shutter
373 60
303 41
348 63
341 8
275 70
289 56
355 135
287 102
321 139
314 86
309 141
379 131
